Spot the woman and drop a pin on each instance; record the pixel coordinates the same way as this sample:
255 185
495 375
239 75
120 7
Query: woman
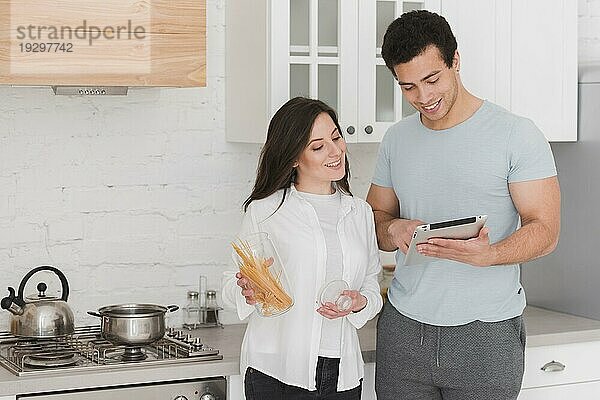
302 199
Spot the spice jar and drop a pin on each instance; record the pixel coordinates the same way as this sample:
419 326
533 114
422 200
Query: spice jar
212 308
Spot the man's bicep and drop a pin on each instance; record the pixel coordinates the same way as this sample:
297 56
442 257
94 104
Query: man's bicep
537 200
383 199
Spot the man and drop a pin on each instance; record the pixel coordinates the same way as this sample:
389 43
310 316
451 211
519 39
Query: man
452 328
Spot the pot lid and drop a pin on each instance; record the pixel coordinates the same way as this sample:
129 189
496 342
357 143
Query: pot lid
132 310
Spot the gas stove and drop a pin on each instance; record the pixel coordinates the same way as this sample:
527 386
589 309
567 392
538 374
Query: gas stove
87 350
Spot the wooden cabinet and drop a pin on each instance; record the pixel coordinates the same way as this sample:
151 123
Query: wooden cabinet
521 55
108 43
325 49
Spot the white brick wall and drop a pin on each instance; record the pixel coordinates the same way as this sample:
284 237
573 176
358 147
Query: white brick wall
134 197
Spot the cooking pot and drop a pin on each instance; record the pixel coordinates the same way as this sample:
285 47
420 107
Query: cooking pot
43 316
133 324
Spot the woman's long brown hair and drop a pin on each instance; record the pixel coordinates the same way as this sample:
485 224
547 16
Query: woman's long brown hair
287 137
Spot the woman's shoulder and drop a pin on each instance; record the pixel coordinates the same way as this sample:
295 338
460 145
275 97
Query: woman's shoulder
267 205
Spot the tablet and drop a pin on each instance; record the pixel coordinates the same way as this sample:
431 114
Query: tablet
463 228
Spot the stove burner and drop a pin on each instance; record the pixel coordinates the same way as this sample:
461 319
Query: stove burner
133 354
50 360
86 349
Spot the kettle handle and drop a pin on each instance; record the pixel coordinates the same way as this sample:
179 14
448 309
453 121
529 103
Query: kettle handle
61 276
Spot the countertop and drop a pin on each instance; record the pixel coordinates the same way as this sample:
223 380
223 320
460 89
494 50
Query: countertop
544 328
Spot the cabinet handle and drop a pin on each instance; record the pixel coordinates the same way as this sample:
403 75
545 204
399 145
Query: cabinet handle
368 129
553 366
350 130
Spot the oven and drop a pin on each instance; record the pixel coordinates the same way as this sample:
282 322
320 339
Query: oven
203 389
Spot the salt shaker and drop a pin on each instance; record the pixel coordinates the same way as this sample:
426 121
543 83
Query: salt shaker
192 311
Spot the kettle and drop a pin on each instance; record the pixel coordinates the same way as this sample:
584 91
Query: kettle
43 316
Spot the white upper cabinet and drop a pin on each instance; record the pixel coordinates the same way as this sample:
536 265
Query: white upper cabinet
380 101
521 55
324 49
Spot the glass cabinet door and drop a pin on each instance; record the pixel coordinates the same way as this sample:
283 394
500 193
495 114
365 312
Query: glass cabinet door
331 50
310 61
380 102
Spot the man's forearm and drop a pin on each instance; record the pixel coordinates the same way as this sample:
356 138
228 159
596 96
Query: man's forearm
384 239
529 242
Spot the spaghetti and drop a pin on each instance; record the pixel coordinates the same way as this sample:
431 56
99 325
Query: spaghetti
268 290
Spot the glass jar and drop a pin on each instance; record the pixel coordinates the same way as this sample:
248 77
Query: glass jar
257 258
332 292
192 311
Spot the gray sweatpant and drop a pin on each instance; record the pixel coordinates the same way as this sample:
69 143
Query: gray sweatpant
476 361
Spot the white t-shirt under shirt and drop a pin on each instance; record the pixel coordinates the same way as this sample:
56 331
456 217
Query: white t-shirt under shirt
327 207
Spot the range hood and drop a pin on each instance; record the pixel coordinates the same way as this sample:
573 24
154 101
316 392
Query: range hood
90 90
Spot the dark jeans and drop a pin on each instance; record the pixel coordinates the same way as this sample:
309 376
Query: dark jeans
259 386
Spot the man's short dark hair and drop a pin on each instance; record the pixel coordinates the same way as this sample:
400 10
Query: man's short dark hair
409 36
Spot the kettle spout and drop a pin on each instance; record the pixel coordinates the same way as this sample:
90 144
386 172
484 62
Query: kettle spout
12 303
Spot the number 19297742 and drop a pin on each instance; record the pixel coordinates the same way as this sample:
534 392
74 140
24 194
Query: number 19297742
47 47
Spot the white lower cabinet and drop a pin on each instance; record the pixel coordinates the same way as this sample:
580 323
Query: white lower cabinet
560 372
368 388
235 387
576 391
567 371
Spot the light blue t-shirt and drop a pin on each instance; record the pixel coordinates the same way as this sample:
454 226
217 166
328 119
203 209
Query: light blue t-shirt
459 172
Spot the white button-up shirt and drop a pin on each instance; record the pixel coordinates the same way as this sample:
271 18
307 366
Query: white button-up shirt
286 347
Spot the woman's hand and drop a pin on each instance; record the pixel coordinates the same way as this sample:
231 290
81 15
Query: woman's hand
331 311
246 286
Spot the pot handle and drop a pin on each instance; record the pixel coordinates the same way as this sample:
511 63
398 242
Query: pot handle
172 308
61 276
94 314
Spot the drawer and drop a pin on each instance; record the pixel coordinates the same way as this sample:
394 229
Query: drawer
575 391
581 364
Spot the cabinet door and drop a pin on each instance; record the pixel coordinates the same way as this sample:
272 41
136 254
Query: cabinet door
380 98
579 391
544 65
561 364
380 101
313 54
482 29
163 44
368 384
235 387
521 55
